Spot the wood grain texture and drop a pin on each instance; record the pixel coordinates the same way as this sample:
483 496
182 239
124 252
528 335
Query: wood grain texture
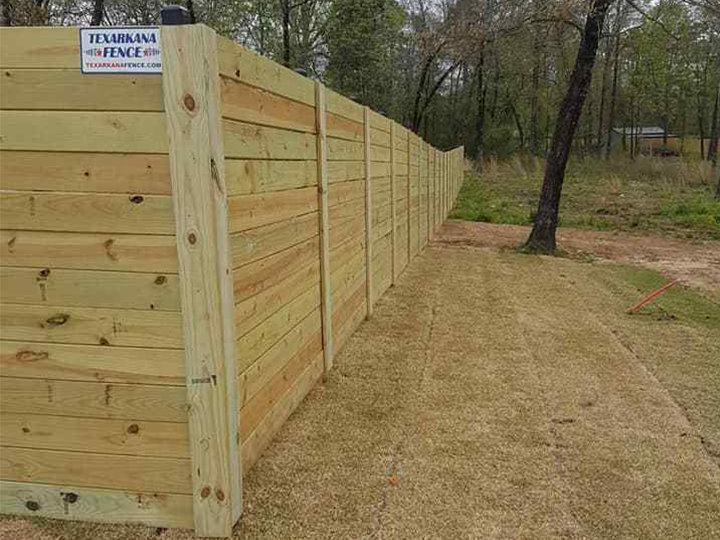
255 244
119 252
101 436
92 504
250 141
257 106
143 174
40 47
69 89
93 399
89 288
91 326
197 165
255 377
136 473
91 363
393 204
261 275
239 63
248 176
80 131
87 212
261 436
251 211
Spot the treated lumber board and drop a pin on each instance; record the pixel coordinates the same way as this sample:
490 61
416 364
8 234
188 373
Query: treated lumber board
278 385
94 435
342 128
91 326
378 154
241 64
91 363
352 250
102 505
351 325
191 90
40 47
82 131
345 192
382 229
256 309
261 275
251 211
146 174
93 399
254 105
344 171
261 436
342 150
89 288
322 184
258 341
379 137
380 122
347 229
255 377
70 89
340 105
350 306
348 210
250 141
248 176
124 252
137 473
87 212
380 169
252 245
344 278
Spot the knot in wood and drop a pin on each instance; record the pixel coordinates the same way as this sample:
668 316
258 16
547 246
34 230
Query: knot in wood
192 238
220 494
133 429
205 493
45 272
189 102
137 199
160 280
32 506
70 497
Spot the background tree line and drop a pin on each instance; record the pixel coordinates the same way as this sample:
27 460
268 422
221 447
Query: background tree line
489 74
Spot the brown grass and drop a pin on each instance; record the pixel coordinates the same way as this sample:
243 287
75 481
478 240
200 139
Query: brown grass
496 395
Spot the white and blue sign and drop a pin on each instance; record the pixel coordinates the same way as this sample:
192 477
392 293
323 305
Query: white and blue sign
133 49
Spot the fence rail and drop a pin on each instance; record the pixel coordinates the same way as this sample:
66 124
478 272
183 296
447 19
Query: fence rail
183 256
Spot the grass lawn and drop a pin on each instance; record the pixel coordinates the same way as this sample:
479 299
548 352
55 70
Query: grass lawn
649 194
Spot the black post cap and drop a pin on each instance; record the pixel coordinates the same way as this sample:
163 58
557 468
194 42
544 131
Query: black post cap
174 15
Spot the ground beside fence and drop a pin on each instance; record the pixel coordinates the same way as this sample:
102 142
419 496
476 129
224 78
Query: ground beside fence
497 395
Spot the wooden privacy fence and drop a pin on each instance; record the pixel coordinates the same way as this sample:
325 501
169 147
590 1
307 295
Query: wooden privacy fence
182 256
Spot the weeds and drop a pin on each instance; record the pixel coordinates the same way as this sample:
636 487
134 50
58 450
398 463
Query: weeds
648 194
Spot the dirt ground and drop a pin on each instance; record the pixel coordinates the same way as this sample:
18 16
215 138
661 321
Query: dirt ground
696 263
498 395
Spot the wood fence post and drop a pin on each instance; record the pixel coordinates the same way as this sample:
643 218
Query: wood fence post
322 177
393 234
368 220
191 95
409 211
419 191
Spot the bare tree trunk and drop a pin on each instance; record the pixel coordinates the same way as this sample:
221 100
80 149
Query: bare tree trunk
619 21
712 154
6 15
191 11
534 139
542 238
97 14
285 5
480 118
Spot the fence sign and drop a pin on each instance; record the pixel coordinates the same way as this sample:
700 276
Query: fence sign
133 49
